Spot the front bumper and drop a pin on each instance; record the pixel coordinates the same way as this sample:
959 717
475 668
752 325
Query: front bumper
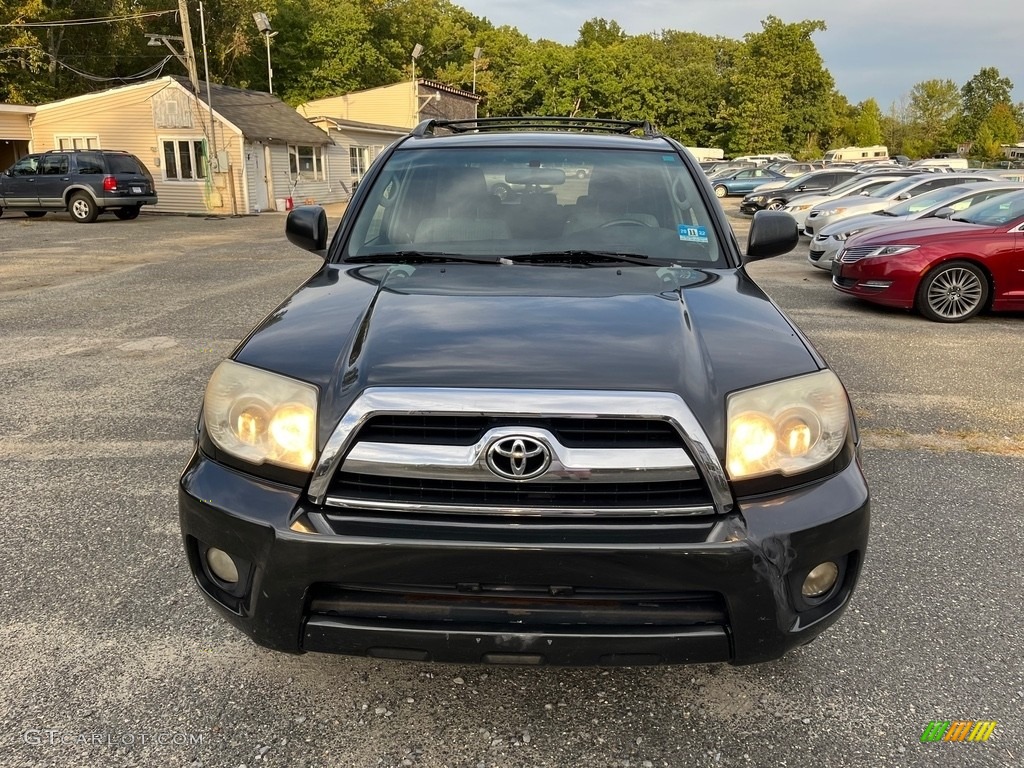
718 589
750 208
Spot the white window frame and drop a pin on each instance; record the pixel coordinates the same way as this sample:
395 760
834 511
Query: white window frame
68 142
359 158
198 172
294 156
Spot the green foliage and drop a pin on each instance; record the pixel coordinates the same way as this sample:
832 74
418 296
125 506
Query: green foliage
999 127
867 128
977 98
933 112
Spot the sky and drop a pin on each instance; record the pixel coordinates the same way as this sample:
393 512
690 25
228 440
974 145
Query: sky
873 48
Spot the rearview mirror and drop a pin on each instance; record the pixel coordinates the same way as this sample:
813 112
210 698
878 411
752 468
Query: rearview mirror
545 176
306 227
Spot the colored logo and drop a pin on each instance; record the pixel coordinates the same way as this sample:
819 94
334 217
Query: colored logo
958 730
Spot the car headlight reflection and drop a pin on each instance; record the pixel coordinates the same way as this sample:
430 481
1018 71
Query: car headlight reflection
259 417
787 427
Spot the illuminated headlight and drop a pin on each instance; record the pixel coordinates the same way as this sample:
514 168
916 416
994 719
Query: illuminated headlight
261 417
842 236
787 427
893 250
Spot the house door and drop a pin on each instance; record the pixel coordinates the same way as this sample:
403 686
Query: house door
258 158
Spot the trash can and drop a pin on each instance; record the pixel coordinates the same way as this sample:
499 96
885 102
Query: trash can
280 203
288 203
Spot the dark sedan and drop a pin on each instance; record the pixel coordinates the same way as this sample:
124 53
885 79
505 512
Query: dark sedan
809 183
948 271
739 182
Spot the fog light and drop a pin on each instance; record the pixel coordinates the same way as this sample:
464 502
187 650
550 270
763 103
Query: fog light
876 284
820 580
223 567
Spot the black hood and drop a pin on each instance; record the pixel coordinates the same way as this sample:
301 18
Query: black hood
701 334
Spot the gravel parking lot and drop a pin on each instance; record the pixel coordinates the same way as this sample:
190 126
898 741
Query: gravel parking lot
109 656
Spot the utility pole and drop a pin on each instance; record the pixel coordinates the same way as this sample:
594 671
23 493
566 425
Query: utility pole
190 54
213 162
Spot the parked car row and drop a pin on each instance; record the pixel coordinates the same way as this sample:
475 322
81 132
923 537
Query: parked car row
949 270
948 245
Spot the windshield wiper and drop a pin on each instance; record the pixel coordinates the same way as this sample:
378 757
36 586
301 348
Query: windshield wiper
958 218
884 213
420 256
583 257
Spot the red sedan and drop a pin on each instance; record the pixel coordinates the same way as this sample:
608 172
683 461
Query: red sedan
948 271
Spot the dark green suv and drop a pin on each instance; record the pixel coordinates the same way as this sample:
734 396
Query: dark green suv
85 183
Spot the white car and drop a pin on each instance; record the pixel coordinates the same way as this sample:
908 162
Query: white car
946 201
893 193
800 206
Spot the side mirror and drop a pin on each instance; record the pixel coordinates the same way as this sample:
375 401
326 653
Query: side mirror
771 233
944 213
306 227
904 196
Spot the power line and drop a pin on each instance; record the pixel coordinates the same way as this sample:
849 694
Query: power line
155 68
93 20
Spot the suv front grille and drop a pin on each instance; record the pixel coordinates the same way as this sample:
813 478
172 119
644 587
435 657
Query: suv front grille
491 606
572 433
579 496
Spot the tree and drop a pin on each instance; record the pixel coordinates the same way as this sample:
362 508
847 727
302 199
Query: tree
977 98
999 127
933 110
780 83
867 128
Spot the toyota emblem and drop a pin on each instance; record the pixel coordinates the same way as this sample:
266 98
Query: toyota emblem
518 458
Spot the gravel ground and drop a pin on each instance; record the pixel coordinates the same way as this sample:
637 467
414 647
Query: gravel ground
109 657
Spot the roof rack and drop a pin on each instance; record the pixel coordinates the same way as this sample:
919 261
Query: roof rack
533 123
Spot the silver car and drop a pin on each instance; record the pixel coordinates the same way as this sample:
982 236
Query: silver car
861 184
823 214
944 202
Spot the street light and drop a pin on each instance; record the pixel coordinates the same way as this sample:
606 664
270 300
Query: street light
263 25
477 53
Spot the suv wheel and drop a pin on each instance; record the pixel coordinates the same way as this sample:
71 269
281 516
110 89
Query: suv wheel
128 213
82 208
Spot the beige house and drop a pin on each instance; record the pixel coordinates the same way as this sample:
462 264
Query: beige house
403 104
259 153
15 133
356 144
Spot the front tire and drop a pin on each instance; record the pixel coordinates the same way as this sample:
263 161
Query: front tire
953 292
82 208
126 214
775 205
721 191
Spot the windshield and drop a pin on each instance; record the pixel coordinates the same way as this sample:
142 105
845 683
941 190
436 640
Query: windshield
517 201
995 212
895 187
927 200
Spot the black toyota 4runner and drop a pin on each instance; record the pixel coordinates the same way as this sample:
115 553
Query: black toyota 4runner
562 428
85 183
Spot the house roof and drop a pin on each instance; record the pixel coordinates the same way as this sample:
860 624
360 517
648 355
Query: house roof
259 115
338 122
449 89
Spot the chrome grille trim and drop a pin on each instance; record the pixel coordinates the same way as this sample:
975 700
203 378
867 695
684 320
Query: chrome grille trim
468 462
563 512
525 404
858 252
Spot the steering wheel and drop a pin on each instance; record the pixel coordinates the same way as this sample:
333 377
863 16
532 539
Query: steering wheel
624 223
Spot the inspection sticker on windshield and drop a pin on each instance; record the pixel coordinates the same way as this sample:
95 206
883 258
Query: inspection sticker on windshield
693 234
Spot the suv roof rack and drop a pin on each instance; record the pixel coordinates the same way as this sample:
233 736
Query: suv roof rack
534 123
